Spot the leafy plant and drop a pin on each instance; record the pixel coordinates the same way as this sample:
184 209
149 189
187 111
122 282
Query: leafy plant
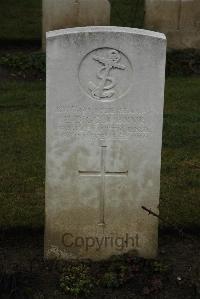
116 276
110 280
77 280
160 267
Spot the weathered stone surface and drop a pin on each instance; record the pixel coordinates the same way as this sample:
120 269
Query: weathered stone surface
105 90
60 14
178 19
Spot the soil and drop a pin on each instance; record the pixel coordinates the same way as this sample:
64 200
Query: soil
22 267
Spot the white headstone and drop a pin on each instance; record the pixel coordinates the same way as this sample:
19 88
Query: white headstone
59 14
178 19
105 92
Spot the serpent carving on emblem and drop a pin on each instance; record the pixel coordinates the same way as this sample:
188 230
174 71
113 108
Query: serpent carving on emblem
105 74
105 87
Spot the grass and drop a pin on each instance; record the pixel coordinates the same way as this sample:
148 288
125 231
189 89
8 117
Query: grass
22 140
22 19
180 179
22 153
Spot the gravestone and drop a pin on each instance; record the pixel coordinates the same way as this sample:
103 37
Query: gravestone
59 14
178 19
105 93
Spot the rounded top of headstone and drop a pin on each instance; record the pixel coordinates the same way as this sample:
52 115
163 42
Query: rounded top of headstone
113 29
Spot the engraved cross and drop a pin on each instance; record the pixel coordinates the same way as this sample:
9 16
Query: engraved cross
102 174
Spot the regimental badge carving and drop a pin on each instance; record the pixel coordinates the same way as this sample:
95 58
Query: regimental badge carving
105 74
104 90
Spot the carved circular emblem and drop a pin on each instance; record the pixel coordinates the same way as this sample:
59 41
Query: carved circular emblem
105 74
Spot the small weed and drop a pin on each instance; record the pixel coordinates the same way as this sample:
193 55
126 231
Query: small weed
110 280
160 267
117 274
77 280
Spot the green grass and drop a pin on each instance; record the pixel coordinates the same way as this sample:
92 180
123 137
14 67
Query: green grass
180 179
22 19
22 153
22 139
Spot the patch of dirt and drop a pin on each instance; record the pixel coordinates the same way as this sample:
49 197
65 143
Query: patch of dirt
22 267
